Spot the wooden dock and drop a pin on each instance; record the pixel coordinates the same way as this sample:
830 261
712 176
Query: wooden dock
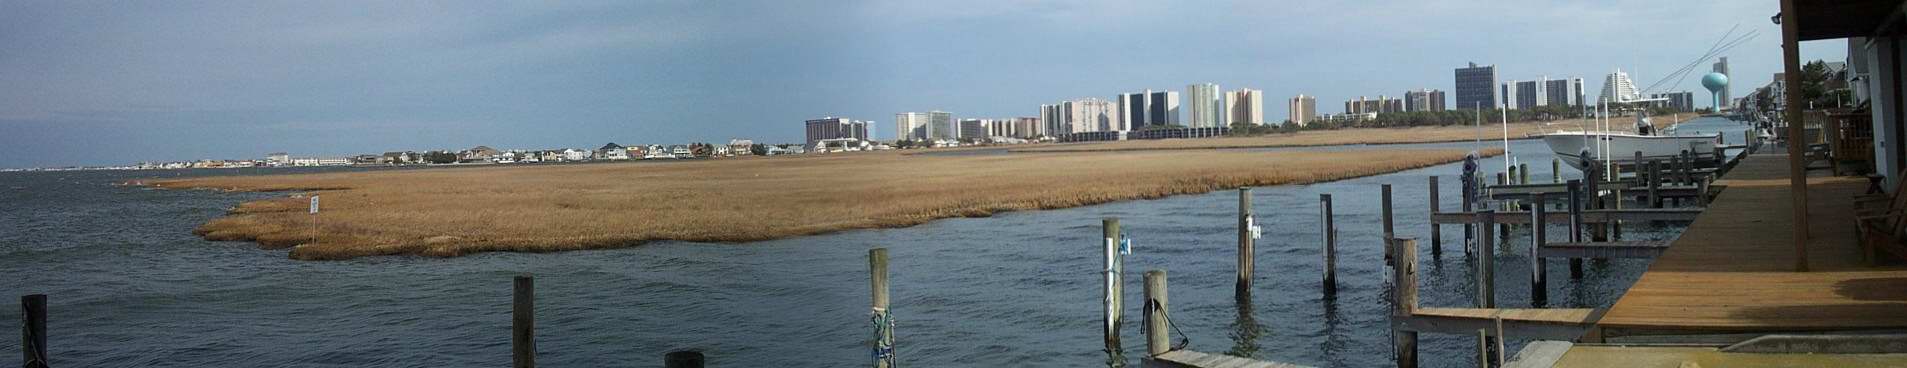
1732 270
1536 323
1193 359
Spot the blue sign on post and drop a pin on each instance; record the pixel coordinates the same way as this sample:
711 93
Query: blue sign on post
1125 245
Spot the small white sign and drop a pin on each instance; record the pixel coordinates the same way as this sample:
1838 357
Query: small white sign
1251 223
314 205
1125 246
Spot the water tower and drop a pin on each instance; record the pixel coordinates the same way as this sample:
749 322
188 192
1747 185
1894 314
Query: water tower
1715 82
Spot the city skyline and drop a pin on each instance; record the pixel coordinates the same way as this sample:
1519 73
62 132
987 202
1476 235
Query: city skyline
237 80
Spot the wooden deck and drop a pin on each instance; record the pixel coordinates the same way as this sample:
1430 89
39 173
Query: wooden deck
1731 270
1538 323
1193 359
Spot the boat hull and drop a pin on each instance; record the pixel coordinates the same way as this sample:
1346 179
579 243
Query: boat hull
1570 145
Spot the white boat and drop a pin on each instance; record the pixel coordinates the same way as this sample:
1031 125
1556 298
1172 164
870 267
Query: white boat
1621 147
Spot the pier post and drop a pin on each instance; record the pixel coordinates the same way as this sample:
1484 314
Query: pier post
1158 337
1524 170
1701 193
1575 225
33 330
523 323
883 317
1330 237
1655 183
1688 168
682 359
1636 168
1436 231
1404 299
1389 230
1483 348
1486 263
1246 253
1115 269
1469 204
1539 275
1555 171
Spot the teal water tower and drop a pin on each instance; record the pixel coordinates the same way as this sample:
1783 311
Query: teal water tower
1714 82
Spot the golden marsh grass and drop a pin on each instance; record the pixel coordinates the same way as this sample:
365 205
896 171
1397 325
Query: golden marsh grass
450 212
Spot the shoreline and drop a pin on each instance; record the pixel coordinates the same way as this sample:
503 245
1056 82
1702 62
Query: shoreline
384 213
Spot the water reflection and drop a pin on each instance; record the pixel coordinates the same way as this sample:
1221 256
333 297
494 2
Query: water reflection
1245 331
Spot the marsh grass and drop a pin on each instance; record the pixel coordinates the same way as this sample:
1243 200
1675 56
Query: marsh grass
450 212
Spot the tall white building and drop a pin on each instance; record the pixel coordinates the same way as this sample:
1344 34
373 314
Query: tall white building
1617 88
1138 110
910 126
1509 96
1081 116
1245 105
1301 109
1208 107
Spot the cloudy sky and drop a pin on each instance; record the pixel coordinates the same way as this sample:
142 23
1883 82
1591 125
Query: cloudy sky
96 82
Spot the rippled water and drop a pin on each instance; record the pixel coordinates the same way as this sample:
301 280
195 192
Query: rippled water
131 286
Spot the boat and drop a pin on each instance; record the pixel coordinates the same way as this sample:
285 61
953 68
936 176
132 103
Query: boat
1621 146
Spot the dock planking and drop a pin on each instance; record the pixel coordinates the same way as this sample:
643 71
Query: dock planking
1521 323
1562 217
1193 359
1731 271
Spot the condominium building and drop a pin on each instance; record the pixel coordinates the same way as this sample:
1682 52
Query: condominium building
1245 105
1424 100
1142 109
1556 92
1617 88
1301 109
1529 94
1363 105
1476 87
1081 116
1679 101
1207 106
1721 66
835 128
910 126
1508 91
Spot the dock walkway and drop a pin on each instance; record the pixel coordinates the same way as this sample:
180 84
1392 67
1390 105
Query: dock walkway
1731 271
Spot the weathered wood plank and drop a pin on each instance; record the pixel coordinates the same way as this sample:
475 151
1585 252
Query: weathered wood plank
1605 250
1193 359
1537 323
1589 216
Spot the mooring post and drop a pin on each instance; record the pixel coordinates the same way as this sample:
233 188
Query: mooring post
1242 290
1486 263
1436 231
1575 225
1539 275
1330 237
1115 268
523 323
33 330
682 359
1469 204
1688 168
1636 168
1404 299
1389 232
1655 183
1483 348
1523 169
883 318
1555 171
1701 192
1158 337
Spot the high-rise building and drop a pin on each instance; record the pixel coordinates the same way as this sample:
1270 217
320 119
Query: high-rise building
1476 87
974 128
1508 90
940 125
1245 105
1207 106
910 126
835 128
1082 116
1617 88
1363 105
1556 92
1139 110
1529 94
1028 127
1576 92
1721 66
1679 101
1424 100
1301 109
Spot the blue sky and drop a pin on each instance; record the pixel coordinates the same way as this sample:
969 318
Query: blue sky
93 83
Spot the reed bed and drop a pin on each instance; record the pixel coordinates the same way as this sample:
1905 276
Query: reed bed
458 211
1455 133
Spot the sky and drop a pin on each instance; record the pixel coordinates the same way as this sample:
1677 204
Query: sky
110 83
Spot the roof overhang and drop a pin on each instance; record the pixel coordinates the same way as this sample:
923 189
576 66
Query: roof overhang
1832 19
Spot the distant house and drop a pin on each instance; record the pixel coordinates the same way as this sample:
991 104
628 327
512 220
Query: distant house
551 156
723 151
840 145
681 151
478 154
741 147
658 151
278 159
529 157
572 154
612 151
635 152
365 159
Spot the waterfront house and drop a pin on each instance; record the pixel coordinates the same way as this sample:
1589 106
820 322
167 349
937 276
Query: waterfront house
551 155
612 151
681 151
572 154
741 147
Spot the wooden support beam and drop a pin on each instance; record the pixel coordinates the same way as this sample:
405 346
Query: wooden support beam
1246 248
883 316
523 323
1404 299
1588 216
1114 281
1539 273
1330 238
1436 230
1605 250
1531 323
1797 173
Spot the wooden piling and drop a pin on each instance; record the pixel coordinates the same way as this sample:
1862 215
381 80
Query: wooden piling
1404 299
1539 275
682 359
1688 163
33 330
1655 183
1384 200
1555 171
1523 170
1469 203
883 317
1436 231
1330 237
1486 262
1701 193
1115 268
1158 337
1636 166
1483 348
523 323
1246 253
1575 225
